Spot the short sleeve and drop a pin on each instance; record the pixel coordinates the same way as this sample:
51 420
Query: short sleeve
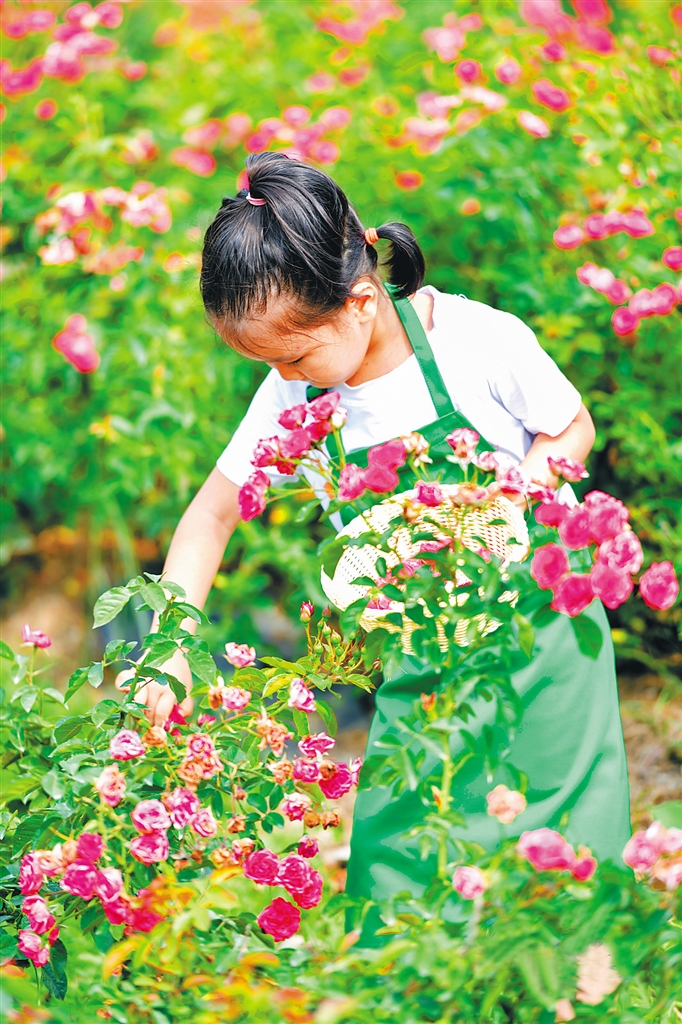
527 381
259 422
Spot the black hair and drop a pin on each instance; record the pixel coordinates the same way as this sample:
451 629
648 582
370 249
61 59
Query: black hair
305 242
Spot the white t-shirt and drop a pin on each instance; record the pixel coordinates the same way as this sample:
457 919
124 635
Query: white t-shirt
497 375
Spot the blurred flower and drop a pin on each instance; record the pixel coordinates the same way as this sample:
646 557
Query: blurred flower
546 850
58 253
533 124
23 80
33 21
468 70
320 82
623 552
491 100
150 848
550 95
46 110
36 637
624 322
140 148
553 51
569 236
469 882
549 564
77 346
80 879
547 14
133 70
408 181
659 586
508 71
572 595
273 734
89 847
570 469
659 55
30 947
672 257
575 527
596 976
595 38
611 585
505 804
198 161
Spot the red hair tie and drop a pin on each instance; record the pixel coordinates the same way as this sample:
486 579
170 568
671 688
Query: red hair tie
371 236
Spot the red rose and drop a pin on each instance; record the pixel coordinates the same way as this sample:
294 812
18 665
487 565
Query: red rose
90 846
572 595
549 564
574 528
294 873
262 867
658 586
312 894
339 783
612 586
280 919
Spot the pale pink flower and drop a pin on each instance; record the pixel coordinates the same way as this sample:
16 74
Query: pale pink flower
623 552
126 745
463 442
30 875
150 847
111 785
240 655
306 771
182 805
512 480
546 850
235 698
295 806
469 882
300 697
569 236
204 824
505 804
660 55
508 71
569 469
538 127
643 849
30 947
35 637
150 816
319 743
550 95
38 913
76 345
659 586
58 253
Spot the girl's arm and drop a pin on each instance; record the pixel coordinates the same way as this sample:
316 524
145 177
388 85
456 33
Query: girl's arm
575 442
193 560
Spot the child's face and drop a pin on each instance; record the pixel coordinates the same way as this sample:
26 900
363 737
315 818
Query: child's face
326 355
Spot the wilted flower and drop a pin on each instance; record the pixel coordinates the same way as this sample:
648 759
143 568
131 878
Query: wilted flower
204 824
273 734
240 655
339 781
295 805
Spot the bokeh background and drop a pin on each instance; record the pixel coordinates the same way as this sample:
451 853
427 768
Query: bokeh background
533 147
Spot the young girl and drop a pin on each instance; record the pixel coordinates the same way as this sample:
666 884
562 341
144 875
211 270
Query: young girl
289 277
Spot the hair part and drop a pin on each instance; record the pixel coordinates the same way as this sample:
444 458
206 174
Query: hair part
305 243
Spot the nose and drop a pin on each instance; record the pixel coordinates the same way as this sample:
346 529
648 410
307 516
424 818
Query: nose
287 372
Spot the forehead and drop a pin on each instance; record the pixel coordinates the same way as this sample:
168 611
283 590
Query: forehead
275 334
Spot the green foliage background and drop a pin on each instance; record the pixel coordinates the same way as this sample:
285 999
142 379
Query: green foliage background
124 449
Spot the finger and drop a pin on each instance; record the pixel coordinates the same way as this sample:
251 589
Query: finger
122 679
186 707
160 712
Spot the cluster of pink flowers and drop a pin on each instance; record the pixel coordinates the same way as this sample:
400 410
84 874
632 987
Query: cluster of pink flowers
197 155
71 220
657 853
284 452
447 40
601 520
63 59
76 345
659 301
588 30
369 16
302 882
301 138
547 850
201 760
604 280
634 223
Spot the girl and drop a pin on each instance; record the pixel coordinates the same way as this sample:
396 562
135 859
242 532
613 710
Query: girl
289 277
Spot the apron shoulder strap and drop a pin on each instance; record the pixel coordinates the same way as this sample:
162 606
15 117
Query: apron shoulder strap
424 353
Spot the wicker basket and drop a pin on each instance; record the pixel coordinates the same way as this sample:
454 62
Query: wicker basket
463 521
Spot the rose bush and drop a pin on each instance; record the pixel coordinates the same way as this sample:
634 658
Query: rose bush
494 132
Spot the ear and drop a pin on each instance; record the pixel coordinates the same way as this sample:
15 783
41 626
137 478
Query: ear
363 302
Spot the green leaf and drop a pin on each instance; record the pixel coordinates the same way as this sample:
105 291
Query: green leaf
96 674
53 973
203 666
68 727
301 723
76 680
173 588
53 784
588 634
6 651
152 594
27 830
109 605
525 634
328 717
103 711
544 615
179 689
669 813
50 691
161 650
192 613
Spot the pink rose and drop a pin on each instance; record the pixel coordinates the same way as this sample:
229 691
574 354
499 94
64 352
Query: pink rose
150 847
294 417
111 785
280 919
306 611
546 850
643 849
624 321
262 867
266 452
339 783
90 847
308 847
508 71
38 913
235 698
29 946
658 586
126 745
569 236
150 816
200 745
300 697
608 515
584 866
109 884
612 586
569 469
30 875
380 479
512 480
428 494
351 482
663 299
549 564
252 498
672 257
319 429
80 879
204 824
551 513
550 95
319 743
240 655
295 806
354 768
575 528
293 873
572 595
294 444
322 407
505 804
463 442
390 455
469 882
182 805
306 771
623 552
35 637
203 720
311 895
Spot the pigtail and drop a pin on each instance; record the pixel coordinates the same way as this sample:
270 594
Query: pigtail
405 262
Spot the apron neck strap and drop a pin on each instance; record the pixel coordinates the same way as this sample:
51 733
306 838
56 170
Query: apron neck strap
424 353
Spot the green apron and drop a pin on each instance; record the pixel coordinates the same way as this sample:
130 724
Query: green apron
569 744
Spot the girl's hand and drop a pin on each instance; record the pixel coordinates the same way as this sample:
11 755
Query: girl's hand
160 700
